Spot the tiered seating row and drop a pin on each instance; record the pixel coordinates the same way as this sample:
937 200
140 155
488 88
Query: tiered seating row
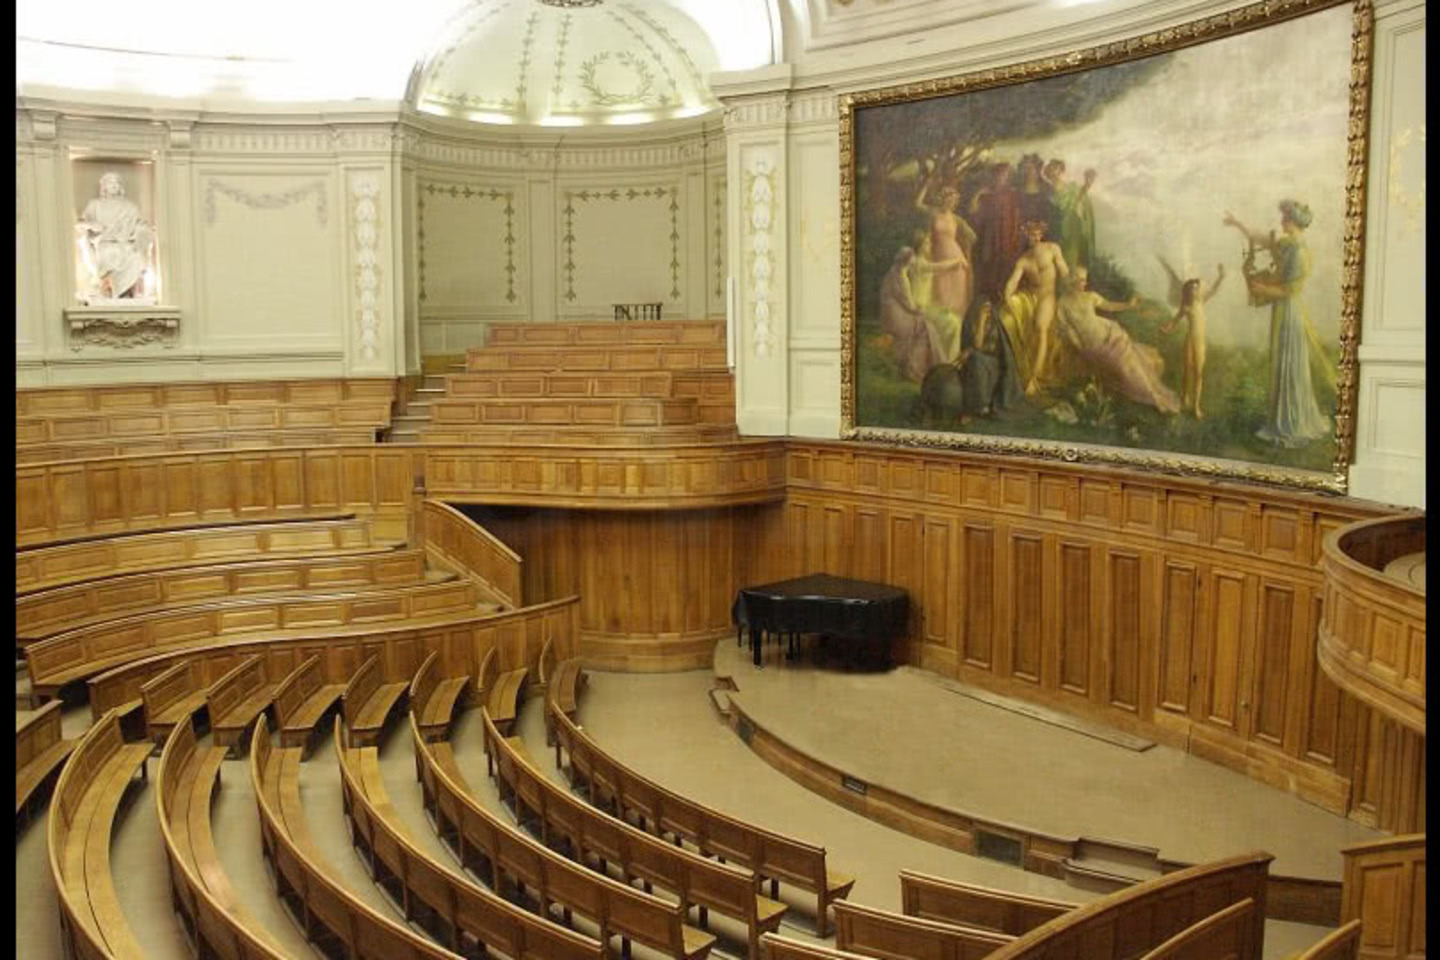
301 700
40 751
165 422
237 699
586 834
42 568
235 440
58 401
368 701
878 933
82 817
456 909
434 699
613 786
501 691
580 436
708 333
563 681
47 612
77 654
582 359
583 413
202 894
949 901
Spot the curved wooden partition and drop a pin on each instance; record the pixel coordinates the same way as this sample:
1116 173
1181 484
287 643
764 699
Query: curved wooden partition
1342 944
460 544
217 923
1372 631
517 636
1142 917
47 612
1385 891
1227 934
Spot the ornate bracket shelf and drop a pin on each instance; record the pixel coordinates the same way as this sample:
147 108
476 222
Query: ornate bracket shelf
122 327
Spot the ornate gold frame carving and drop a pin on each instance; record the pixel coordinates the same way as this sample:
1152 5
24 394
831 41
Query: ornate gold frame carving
1255 16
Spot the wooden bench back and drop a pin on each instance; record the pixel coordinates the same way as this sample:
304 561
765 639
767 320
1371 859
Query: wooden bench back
426 679
1163 907
707 332
161 422
547 664
879 933
163 443
42 567
38 733
488 673
951 901
235 687
1340 944
170 687
296 688
59 401
458 902
361 687
783 948
1227 934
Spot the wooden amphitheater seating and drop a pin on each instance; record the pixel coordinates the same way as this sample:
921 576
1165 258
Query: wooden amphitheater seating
894 936
171 698
47 612
1340 944
329 914
616 908
500 693
578 436
148 422
204 900
588 834
434 699
301 700
580 413
427 892
40 751
78 654
562 683
55 565
951 901
82 818
61 450
368 701
237 699
1227 934
1124 924
783 948
586 358
611 785
707 332
203 395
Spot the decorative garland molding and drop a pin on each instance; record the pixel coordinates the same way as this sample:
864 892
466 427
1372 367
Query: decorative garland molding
698 144
466 191
751 113
264 201
759 222
615 194
365 193
123 328
718 215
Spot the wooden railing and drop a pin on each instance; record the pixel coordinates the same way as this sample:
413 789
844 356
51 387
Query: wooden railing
1227 934
1372 628
1103 930
59 401
950 901
462 545
1385 891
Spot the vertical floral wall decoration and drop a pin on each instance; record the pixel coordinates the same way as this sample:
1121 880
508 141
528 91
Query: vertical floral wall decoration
469 192
759 221
365 193
719 217
616 194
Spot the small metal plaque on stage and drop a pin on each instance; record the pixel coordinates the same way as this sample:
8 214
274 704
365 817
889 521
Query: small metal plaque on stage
853 785
997 846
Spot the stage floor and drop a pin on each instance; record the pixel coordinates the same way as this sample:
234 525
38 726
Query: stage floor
913 733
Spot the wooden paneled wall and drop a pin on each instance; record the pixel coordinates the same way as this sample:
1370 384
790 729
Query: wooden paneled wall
1185 610
1385 891
655 587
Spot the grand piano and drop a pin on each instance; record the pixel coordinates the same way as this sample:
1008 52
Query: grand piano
867 614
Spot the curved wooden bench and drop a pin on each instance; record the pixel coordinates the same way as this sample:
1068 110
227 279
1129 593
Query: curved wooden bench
783 948
79 654
325 910
1161 907
82 817
48 612
236 699
301 700
369 700
582 358
879 933
199 396
40 751
171 698
500 692
43 567
201 890
1341 944
434 699
439 898
587 834
562 683
142 423
610 785
1229 933
61 450
967 904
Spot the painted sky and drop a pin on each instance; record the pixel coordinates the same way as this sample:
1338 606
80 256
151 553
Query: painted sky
1238 124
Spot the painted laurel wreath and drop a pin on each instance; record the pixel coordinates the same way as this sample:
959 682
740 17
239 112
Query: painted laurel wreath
602 99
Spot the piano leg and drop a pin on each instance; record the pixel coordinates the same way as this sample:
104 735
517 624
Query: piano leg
755 635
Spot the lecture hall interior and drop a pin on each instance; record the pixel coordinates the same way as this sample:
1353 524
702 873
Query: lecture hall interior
764 479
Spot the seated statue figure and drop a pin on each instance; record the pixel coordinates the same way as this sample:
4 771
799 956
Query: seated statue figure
117 243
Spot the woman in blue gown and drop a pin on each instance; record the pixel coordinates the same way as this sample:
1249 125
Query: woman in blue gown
1293 416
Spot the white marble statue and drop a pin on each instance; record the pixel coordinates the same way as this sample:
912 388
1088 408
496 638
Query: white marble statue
116 245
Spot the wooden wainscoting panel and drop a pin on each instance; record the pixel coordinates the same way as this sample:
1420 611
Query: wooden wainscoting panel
1074 622
1027 619
1125 647
1178 610
978 595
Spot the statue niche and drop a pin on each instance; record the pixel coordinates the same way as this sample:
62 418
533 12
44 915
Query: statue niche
115 244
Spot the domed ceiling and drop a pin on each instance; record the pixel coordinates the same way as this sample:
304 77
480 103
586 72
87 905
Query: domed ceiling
568 63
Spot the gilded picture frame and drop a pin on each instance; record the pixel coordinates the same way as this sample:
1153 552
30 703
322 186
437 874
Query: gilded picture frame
936 352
